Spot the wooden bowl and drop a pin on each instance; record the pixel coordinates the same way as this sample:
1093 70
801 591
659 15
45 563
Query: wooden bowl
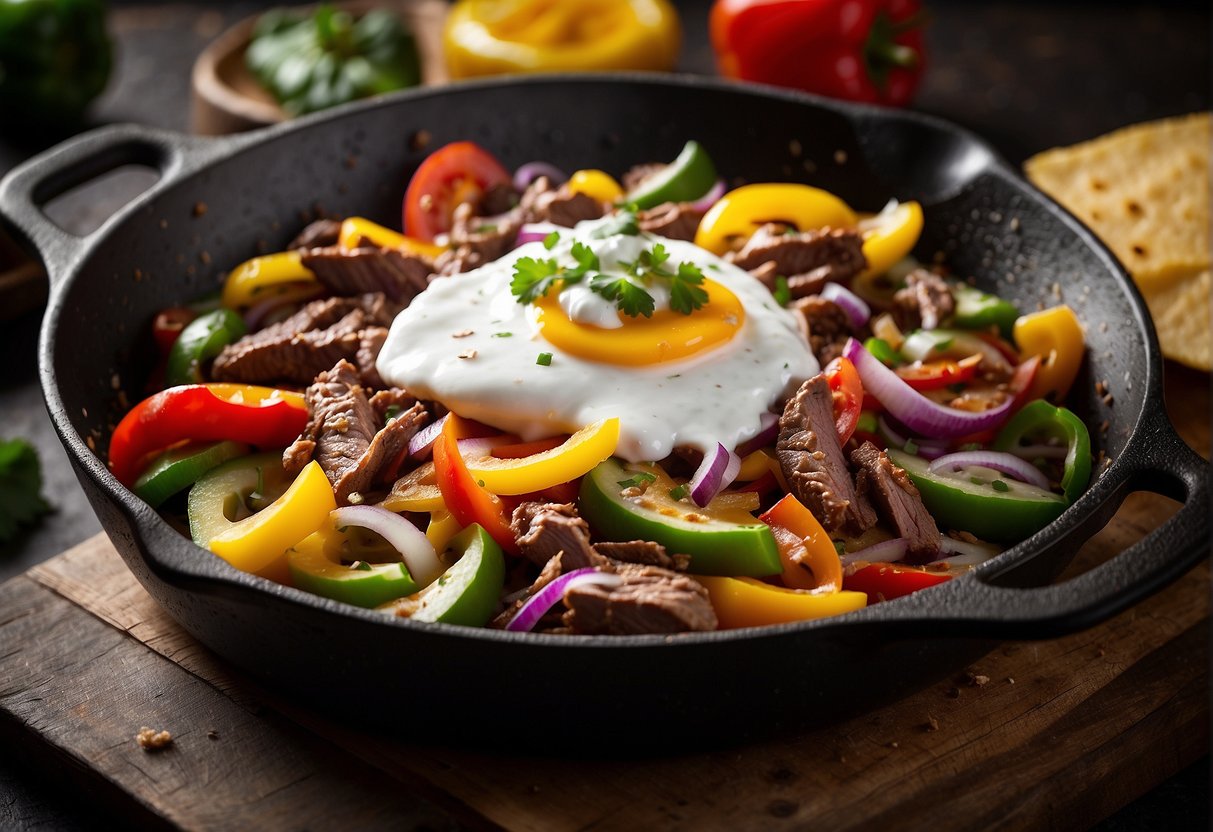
226 98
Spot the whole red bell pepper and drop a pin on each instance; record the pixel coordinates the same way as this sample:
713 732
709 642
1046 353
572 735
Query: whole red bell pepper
259 416
859 50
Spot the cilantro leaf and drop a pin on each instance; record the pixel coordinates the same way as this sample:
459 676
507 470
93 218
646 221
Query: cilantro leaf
782 293
20 487
623 222
631 299
587 261
551 240
686 293
533 278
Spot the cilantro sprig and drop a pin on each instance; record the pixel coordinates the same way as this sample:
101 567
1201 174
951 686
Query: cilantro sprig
533 279
21 500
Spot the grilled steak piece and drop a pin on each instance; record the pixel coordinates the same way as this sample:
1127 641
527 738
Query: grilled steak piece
318 234
559 206
829 326
544 530
397 275
637 174
309 342
925 302
497 199
676 220
393 397
478 240
644 552
550 572
812 461
809 259
370 342
647 600
898 501
344 436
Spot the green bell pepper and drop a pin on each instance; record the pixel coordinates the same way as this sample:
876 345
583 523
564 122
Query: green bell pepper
1039 422
970 500
884 352
55 58
687 178
469 591
202 339
720 540
179 468
327 57
233 491
977 310
317 565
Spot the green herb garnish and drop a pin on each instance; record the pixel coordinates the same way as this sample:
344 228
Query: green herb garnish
639 480
631 299
551 240
679 491
502 335
783 295
911 447
544 359
999 485
20 487
623 222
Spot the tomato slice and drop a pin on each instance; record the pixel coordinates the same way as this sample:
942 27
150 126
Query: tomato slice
848 396
456 173
934 375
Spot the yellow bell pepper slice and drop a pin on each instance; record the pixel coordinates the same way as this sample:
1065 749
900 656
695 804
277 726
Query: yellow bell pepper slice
753 466
443 526
258 544
416 491
575 457
749 602
492 37
255 394
890 235
355 229
740 212
1057 337
596 184
254 279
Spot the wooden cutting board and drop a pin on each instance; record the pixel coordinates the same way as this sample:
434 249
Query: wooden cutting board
1055 734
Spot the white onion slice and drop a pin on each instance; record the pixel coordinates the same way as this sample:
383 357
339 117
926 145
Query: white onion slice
914 410
963 553
537 606
414 547
1006 463
857 310
422 443
718 469
887 551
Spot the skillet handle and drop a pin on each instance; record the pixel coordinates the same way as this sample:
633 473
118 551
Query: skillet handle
29 186
1162 463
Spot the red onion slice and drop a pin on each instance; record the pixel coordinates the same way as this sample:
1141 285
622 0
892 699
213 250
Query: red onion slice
855 307
887 551
537 606
718 469
768 431
710 198
535 232
422 443
414 547
528 173
911 408
1020 469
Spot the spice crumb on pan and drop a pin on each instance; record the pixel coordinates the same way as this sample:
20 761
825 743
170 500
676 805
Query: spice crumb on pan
840 157
149 739
1101 388
977 680
1108 399
894 744
953 692
1010 680
212 734
931 725
1015 224
199 209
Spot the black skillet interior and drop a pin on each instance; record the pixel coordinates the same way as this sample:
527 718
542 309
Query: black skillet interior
356 161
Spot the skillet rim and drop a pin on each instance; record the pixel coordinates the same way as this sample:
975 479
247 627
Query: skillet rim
215 577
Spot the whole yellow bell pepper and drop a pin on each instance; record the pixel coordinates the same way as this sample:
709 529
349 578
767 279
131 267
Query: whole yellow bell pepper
567 461
492 37
749 602
1057 337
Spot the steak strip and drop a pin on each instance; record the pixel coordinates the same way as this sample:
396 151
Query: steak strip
809 259
544 530
648 599
898 501
829 326
925 302
675 220
399 276
811 459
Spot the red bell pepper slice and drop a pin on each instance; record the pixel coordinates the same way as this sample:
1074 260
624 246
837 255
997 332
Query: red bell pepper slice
885 581
466 500
848 396
937 374
195 412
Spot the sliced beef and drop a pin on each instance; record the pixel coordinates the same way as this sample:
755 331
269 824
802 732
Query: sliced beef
318 234
676 220
812 461
559 206
399 276
393 399
639 551
637 174
370 342
309 342
829 326
544 530
476 240
925 302
809 259
898 501
497 199
343 434
648 599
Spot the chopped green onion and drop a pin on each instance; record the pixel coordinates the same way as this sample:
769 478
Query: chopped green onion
544 359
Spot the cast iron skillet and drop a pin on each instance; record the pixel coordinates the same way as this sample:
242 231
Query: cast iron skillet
650 691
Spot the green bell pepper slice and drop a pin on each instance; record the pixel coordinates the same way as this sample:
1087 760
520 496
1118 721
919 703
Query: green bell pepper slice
977 310
181 467
202 339
883 352
1039 422
970 500
233 491
687 178
631 501
468 593
318 565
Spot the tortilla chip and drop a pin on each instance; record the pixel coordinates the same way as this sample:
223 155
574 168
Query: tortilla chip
1144 190
1181 312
